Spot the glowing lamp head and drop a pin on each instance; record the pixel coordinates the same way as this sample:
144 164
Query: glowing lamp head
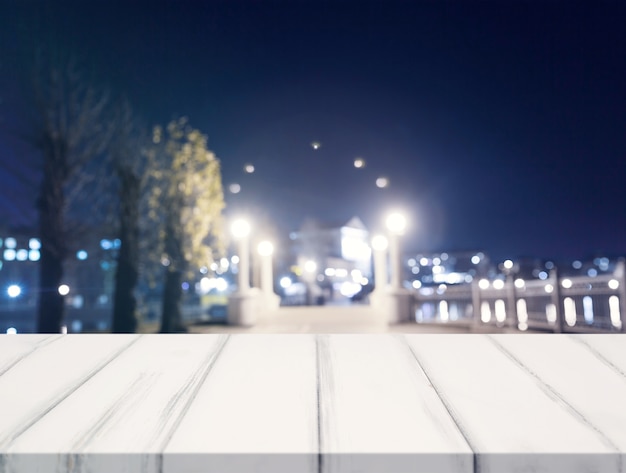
379 243
310 266
265 248
396 223
240 228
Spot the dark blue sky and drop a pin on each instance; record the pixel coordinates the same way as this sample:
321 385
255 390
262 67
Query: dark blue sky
501 125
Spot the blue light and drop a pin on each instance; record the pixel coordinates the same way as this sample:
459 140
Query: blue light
81 255
106 244
14 291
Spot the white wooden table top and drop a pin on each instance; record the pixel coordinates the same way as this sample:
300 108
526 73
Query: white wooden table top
312 403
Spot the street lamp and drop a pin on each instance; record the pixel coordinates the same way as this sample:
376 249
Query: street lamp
242 304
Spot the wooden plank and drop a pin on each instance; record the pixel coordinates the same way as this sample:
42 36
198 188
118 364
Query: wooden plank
122 417
511 421
256 412
50 374
15 348
586 384
380 413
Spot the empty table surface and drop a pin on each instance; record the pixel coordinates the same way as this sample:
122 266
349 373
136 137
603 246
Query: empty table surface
312 403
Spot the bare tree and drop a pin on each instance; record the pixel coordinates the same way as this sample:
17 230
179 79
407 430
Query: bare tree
131 163
71 132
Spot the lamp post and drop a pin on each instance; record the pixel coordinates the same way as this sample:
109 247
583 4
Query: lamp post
379 245
397 300
242 304
270 299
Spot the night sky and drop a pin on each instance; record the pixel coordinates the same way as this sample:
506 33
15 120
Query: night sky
500 125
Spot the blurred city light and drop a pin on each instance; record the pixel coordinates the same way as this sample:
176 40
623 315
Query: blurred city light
508 264
81 255
613 284
249 168
359 163
64 289
234 188
11 331
396 223
14 291
520 283
234 259
475 259
106 244
549 288
483 284
221 284
566 283
9 255
10 243
34 255
498 284
285 282
310 266
34 244
21 255
379 243
265 248
240 228
382 182
316 145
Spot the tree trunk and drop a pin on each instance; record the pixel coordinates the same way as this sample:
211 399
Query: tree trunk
171 320
51 206
127 272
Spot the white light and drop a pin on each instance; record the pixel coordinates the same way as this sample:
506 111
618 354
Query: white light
508 264
566 283
475 259
34 244
411 262
424 261
81 255
165 261
224 263
613 284
205 284
330 272
64 289
249 168
522 313
549 288
316 145
551 313
310 266
364 281
498 284
21 255
265 248
285 282
570 311
485 312
416 284
436 261
10 242
106 244
441 288
14 290
341 273
396 223
9 255
64 329
437 269
34 255
382 182
240 228
415 269
614 311
520 283
234 259
349 289
221 284
588 309
11 331
356 274
483 284
443 311
500 307
359 163
234 188
379 243
468 278
213 266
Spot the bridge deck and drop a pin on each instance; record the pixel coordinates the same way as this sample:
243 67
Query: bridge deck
312 403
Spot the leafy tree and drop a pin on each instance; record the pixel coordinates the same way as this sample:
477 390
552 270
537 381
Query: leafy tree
187 200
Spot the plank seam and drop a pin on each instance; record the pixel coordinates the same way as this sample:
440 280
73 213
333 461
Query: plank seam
46 341
600 356
552 392
447 405
208 365
6 441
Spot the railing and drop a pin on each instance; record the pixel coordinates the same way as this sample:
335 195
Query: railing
558 304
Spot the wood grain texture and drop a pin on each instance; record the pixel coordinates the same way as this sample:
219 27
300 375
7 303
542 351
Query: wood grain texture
312 403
